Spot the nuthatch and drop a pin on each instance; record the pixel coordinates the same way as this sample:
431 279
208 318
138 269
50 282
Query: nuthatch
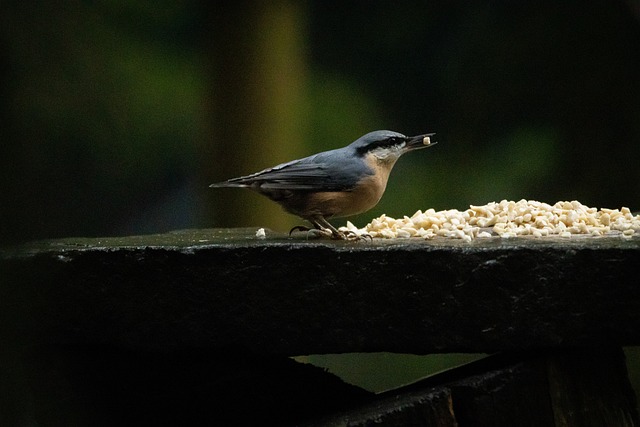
335 183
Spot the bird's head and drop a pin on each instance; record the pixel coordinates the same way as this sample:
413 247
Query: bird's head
388 146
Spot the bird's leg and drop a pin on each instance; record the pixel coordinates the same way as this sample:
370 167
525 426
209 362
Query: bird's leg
322 227
335 233
340 235
316 231
322 224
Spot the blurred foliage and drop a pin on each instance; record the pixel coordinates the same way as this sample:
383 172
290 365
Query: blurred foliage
110 109
529 100
99 117
257 100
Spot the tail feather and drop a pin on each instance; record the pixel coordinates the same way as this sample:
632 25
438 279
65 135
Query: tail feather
229 183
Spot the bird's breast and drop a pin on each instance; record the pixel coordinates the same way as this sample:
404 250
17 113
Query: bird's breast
362 197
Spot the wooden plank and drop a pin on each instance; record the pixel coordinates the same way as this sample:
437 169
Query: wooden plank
225 288
227 291
590 388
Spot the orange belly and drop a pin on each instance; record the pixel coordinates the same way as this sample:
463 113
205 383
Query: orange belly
346 203
327 204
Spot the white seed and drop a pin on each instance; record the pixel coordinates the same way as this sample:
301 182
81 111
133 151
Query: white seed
507 219
411 230
541 221
402 233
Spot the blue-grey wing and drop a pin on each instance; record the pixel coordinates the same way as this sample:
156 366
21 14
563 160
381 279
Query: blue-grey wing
328 171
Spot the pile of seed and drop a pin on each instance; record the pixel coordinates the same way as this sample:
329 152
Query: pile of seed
506 219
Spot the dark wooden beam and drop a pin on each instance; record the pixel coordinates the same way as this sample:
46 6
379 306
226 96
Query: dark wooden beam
226 288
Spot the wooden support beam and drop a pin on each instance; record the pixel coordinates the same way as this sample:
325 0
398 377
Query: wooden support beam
581 387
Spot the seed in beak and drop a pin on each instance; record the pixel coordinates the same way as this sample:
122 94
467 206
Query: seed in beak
426 140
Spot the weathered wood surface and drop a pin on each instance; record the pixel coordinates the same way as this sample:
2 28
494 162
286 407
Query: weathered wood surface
585 388
226 288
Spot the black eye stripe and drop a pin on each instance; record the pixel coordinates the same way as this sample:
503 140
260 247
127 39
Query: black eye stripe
394 140
383 143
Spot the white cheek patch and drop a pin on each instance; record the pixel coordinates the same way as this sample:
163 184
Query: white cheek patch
389 153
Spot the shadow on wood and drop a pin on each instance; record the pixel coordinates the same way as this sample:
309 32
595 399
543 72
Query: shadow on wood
581 387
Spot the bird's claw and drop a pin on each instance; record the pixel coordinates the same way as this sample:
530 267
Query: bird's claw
335 235
299 228
353 236
312 232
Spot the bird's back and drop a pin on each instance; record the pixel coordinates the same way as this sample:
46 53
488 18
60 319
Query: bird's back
333 170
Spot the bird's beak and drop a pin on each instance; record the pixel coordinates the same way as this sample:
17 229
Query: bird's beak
420 141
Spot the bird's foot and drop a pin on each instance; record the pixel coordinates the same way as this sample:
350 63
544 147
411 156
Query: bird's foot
353 236
314 233
299 228
333 234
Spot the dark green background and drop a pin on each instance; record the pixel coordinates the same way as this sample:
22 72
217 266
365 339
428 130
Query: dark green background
115 115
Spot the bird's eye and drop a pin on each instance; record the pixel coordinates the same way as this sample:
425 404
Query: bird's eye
389 142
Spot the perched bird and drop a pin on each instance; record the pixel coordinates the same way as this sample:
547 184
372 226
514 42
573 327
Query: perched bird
335 183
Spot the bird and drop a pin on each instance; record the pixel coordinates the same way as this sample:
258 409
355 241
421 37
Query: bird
335 183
